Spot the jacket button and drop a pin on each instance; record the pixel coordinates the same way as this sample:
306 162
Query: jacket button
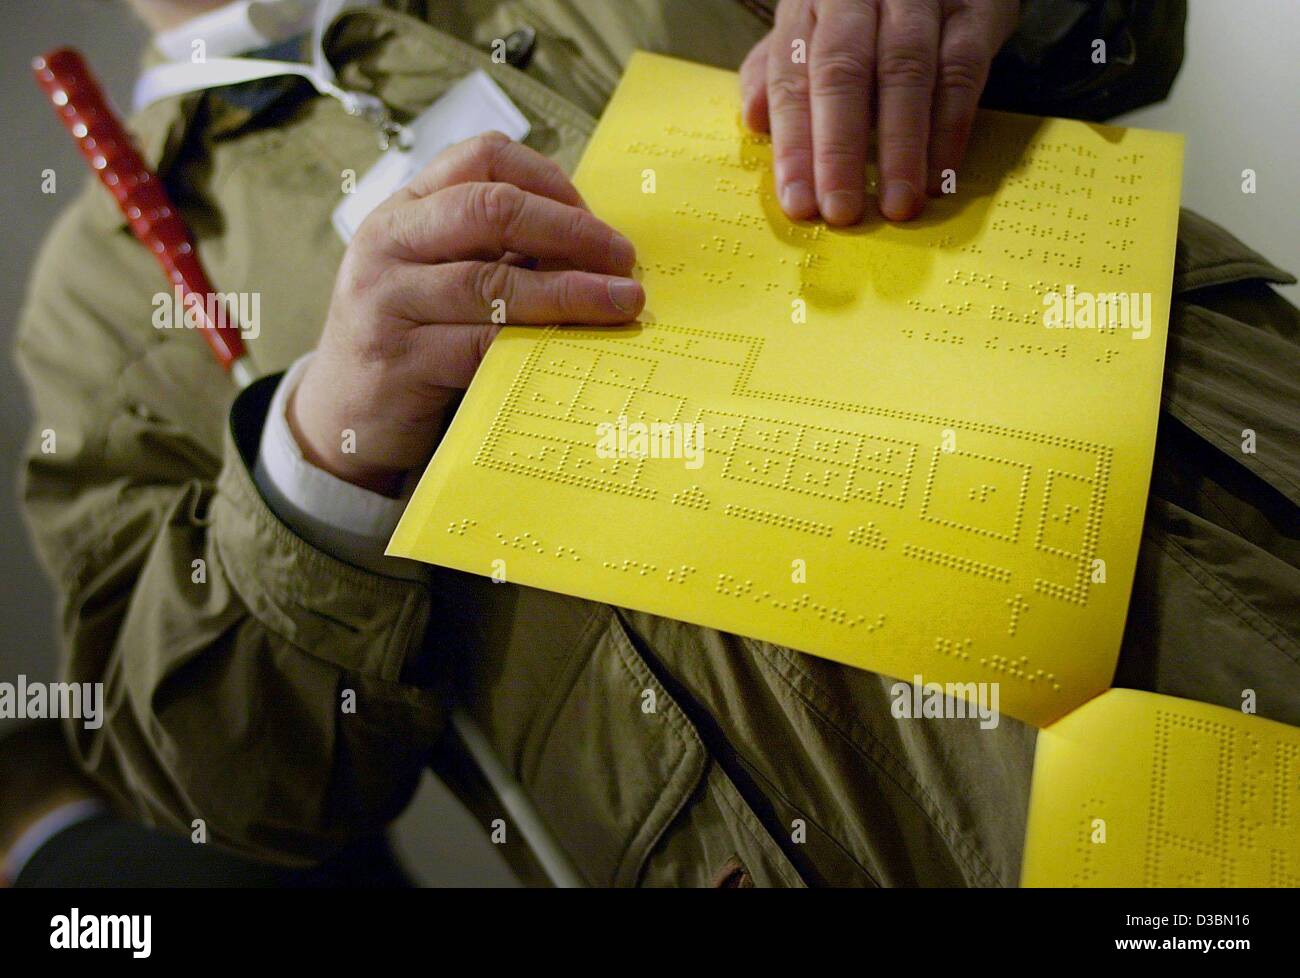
519 47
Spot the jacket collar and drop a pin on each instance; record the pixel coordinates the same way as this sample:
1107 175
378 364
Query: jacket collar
160 129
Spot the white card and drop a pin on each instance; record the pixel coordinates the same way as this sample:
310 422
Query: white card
474 105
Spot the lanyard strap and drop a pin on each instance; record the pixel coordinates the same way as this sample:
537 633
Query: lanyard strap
182 77
235 27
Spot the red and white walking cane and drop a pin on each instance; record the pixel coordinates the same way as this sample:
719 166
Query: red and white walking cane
104 141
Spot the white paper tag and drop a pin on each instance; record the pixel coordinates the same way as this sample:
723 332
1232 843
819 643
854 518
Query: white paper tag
474 105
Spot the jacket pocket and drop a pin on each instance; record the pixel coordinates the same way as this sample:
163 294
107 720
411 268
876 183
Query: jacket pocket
718 841
624 781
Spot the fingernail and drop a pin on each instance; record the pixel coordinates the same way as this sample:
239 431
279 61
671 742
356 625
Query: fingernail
622 251
626 294
797 199
898 200
840 207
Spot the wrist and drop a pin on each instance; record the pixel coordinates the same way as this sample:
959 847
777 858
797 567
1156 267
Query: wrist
326 448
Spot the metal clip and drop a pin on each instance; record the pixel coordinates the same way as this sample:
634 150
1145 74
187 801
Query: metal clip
388 129
375 112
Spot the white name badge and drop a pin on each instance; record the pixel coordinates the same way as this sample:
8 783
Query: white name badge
474 105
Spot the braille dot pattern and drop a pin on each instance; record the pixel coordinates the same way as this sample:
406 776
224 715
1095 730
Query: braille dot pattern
1245 807
692 497
954 648
777 519
964 564
1018 607
1084 847
521 541
731 586
1169 725
868 535
1019 668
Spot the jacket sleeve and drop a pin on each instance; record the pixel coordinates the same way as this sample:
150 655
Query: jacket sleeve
1088 59
250 680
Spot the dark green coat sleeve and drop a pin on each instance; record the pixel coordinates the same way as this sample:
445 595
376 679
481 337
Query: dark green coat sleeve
1053 65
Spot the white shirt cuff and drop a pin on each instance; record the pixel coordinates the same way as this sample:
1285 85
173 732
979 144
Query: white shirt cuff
345 521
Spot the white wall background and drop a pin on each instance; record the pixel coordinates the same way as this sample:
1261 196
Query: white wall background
1237 100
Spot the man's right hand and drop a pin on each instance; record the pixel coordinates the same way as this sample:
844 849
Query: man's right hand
488 226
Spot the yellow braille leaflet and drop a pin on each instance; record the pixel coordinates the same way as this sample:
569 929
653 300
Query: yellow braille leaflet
884 454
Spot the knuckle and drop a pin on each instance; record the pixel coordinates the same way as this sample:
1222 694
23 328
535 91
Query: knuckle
581 228
364 276
379 346
963 67
787 88
495 205
491 281
839 154
840 73
363 305
400 230
566 294
908 62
